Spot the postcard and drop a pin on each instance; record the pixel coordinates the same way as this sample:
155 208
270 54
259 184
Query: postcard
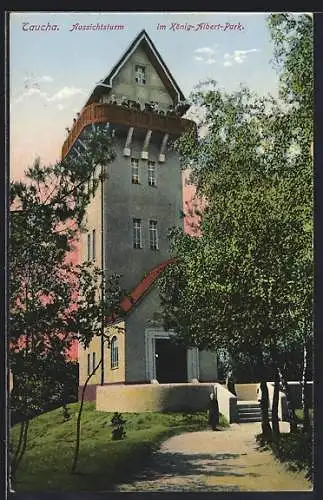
160 335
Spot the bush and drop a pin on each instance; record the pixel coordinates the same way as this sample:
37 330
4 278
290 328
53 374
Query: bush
117 422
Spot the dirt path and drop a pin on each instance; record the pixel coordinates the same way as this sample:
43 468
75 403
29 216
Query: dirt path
216 461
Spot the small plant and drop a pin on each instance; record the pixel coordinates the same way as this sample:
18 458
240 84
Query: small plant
117 422
66 413
188 418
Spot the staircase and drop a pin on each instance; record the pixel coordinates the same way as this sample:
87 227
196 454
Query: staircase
249 411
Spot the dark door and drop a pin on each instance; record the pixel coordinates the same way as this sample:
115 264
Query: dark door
171 362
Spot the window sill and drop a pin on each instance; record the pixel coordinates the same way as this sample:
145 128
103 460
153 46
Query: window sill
115 368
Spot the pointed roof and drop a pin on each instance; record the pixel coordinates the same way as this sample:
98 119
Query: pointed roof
143 40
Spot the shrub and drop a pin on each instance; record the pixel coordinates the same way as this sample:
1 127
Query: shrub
117 422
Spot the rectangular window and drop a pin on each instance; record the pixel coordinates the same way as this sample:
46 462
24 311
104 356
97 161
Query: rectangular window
93 361
89 364
140 75
152 178
88 246
134 171
153 235
137 239
114 353
93 245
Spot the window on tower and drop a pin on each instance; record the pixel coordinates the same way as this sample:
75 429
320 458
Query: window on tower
114 353
137 233
89 363
134 171
140 72
93 245
88 246
153 235
152 177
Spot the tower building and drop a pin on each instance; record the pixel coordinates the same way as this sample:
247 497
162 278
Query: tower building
129 217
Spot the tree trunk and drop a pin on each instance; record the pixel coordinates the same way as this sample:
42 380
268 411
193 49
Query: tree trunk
305 402
265 424
17 452
22 448
291 409
78 423
274 410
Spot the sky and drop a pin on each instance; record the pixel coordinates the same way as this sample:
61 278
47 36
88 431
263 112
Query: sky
53 72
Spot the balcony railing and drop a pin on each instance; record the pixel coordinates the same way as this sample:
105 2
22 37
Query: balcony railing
115 114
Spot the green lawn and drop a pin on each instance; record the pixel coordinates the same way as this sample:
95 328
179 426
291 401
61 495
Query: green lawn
295 450
103 462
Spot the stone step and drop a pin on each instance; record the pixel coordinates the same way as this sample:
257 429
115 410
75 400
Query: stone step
252 408
254 418
247 407
257 411
247 402
249 412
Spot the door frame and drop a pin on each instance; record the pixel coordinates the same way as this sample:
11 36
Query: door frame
151 334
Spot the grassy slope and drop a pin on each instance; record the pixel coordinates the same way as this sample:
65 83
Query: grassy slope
295 450
103 462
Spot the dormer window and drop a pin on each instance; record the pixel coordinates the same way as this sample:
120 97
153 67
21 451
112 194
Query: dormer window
140 72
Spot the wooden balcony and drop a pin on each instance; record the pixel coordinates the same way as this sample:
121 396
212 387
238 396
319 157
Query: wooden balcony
114 114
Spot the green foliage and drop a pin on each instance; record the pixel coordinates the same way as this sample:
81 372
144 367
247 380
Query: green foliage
245 285
53 302
118 423
292 36
104 461
238 282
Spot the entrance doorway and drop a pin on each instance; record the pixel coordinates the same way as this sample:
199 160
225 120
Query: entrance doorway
171 362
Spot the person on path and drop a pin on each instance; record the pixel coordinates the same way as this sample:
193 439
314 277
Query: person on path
214 411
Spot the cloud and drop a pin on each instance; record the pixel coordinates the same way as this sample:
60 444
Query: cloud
60 107
35 81
30 92
65 93
206 54
211 60
204 50
237 56
45 79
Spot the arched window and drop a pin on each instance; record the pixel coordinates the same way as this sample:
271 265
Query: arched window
114 352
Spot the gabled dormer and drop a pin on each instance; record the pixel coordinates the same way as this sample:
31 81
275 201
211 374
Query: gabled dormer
141 79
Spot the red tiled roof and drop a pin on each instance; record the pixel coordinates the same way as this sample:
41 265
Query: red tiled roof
139 291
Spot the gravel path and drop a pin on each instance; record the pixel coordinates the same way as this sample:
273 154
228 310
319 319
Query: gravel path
227 460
